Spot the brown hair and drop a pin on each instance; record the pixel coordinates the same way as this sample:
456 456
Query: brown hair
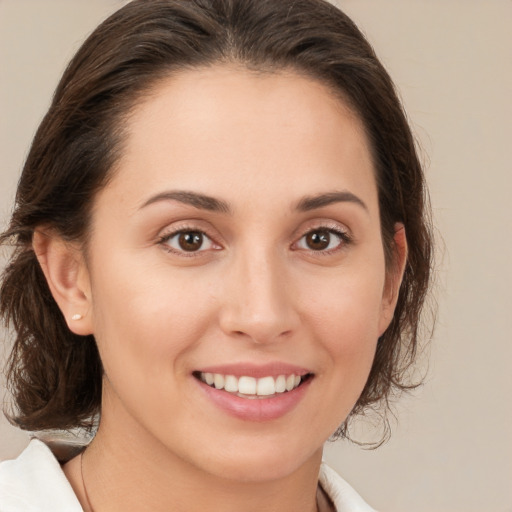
55 376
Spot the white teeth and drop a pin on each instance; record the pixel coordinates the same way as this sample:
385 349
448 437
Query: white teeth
231 384
251 387
281 384
218 380
266 386
247 385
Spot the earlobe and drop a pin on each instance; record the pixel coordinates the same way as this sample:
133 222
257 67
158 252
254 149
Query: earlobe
394 277
67 277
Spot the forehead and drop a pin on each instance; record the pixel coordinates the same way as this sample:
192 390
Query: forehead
222 127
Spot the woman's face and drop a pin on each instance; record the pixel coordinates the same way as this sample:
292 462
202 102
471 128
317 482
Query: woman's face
238 242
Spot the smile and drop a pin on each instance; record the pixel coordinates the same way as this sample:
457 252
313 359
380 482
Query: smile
251 387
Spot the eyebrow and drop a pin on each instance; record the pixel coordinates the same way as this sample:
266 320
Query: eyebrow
313 202
201 201
204 202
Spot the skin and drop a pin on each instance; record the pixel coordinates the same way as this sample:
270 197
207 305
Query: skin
255 292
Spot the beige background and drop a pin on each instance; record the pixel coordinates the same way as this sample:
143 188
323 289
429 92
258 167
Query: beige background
452 447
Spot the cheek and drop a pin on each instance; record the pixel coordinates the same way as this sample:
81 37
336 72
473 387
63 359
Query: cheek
351 303
145 321
345 315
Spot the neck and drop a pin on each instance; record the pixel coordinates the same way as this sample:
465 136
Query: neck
124 472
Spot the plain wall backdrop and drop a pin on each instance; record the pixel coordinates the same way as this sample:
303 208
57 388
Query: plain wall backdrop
451 450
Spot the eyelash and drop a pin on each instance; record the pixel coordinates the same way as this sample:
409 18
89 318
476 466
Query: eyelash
165 239
344 240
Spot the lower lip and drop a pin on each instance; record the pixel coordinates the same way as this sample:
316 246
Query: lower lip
256 409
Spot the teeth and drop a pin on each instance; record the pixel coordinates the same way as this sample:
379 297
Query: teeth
218 380
231 384
266 386
290 382
281 384
251 387
247 385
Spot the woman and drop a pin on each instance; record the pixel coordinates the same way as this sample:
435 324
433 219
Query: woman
223 241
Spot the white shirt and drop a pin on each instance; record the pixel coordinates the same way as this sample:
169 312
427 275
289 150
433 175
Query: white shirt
35 482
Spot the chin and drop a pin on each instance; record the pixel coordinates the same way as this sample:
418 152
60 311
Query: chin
262 462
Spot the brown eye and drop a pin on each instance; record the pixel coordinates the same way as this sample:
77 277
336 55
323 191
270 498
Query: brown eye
318 240
190 240
323 240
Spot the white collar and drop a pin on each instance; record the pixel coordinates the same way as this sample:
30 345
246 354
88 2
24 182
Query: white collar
35 482
343 496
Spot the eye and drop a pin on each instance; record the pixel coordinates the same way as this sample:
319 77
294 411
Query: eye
322 239
188 241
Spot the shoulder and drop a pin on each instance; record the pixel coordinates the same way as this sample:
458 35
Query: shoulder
343 496
35 481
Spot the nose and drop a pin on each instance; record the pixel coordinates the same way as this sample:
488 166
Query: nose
258 300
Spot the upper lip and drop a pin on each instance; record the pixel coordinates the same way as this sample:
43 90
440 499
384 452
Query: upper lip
273 369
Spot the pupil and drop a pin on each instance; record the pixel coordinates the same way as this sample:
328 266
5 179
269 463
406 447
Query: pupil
318 240
191 240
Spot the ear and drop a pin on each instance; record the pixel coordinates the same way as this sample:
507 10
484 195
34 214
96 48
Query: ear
394 277
68 279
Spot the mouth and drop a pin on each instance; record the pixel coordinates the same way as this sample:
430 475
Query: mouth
253 388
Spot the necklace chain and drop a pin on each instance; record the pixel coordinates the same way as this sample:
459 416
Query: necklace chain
87 500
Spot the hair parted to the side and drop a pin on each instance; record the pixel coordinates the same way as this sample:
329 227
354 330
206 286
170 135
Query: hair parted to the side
54 375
